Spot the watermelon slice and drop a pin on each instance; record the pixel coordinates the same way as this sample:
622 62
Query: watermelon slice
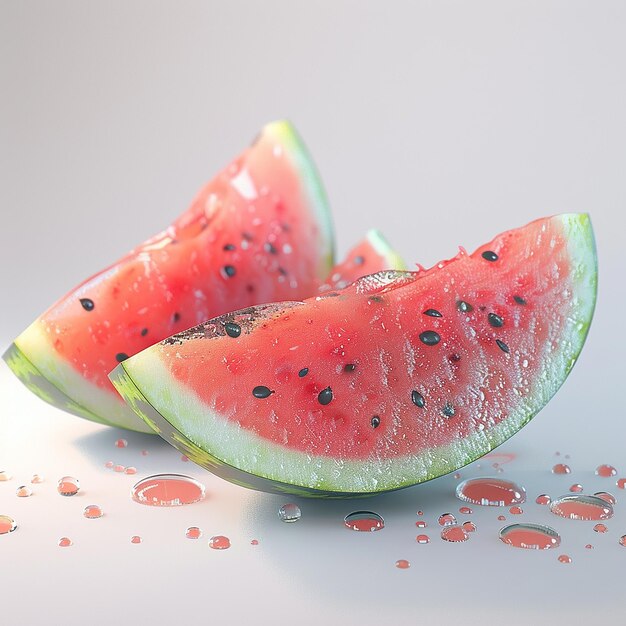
397 379
259 231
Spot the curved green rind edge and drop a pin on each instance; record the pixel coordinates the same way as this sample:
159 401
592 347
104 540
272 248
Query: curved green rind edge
286 134
36 382
127 388
382 247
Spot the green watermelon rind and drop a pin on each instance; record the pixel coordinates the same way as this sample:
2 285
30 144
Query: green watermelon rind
393 260
163 405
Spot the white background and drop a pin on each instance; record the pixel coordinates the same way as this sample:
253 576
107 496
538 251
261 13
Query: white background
440 123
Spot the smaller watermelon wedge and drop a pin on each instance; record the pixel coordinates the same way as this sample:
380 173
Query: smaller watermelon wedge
397 379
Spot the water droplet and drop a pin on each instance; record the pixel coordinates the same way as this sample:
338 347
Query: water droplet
501 518
364 521
490 492
600 528
454 534
289 512
193 532
420 513
109 464
68 486
564 558
606 496
465 510
530 536
581 507
576 488
219 542
4 476
606 471
144 453
93 511
516 510
402 564
7 524
121 443
544 498
254 542
561 468
446 519
65 542
622 541
36 479
589 546
130 470
167 490
621 483
136 539
457 475
469 527
119 468
184 458
422 539
420 524
23 492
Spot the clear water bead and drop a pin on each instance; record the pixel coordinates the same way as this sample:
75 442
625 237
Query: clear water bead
92 511
167 490
193 532
23 492
490 492
364 521
64 542
7 524
219 542
580 507
289 512
530 536
68 486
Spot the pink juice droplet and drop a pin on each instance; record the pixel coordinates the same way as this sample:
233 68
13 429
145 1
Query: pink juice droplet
622 541
364 521
7 524
68 486
490 492
454 534
193 532
23 492
130 470
581 507
420 524
516 510
422 539
530 536
420 513
4 476
606 496
109 464
121 443
36 479
576 488
465 510
184 458
600 528
446 519
606 471
254 542
621 483
564 558
119 468
93 511
544 498
561 468
589 546
135 539
65 542
219 542
402 564
167 490
144 453
469 527
501 518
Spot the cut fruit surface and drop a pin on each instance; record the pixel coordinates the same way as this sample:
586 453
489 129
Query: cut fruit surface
397 379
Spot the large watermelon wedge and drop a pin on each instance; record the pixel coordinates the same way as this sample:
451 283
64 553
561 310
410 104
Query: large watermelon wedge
397 379
259 231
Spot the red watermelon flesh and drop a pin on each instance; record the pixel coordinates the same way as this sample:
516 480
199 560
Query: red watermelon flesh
259 231
397 379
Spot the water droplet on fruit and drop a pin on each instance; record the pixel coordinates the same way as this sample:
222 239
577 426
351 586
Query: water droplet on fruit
544 498
516 510
469 527
606 471
490 492
68 486
167 490
564 558
446 519
606 496
93 511
422 539
7 524
36 479
454 534
219 542
465 510
600 528
65 542
561 468
193 532
530 536
23 492
121 443
581 507
289 512
135 539
576 488
364 521
402 564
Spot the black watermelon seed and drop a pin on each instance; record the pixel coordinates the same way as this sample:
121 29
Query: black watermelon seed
519 300
495 320
454 358
270 248
432 313
303 372
418 399
502 346
261 392
488 255
229 247
464 307
121 356
448 410
176 317
349 367
87 304
144 332
229 271
282 271
325 396
375 298
430 338
359 260
375 421
232 330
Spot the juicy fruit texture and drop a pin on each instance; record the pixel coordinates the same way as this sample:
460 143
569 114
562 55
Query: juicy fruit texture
397 379
259 231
